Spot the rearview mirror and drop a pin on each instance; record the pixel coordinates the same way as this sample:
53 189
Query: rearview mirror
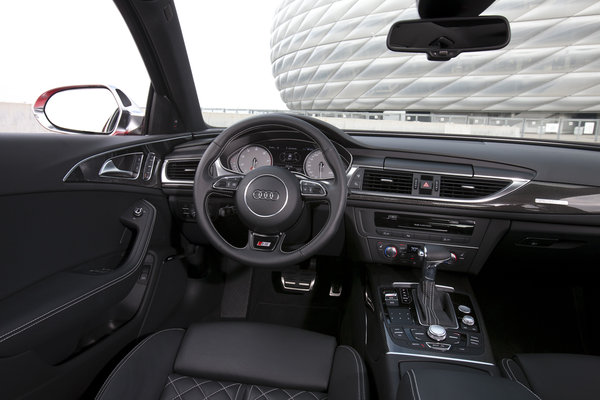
445 38
98 109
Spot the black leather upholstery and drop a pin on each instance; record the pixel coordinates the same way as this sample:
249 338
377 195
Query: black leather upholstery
556 376
238 361
444 384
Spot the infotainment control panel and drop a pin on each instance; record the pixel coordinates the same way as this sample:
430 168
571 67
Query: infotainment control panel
434 226
394 237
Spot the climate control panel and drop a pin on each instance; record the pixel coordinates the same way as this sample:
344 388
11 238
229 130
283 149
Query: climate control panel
411 254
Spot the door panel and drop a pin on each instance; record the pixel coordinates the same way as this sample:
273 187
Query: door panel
76 275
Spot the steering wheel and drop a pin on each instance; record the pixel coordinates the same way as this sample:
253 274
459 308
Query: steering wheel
269 199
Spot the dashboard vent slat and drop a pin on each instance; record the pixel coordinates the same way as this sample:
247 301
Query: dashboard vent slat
387 181
181 170
470 188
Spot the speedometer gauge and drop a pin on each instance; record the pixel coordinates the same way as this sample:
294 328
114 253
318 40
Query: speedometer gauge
316 167
253 157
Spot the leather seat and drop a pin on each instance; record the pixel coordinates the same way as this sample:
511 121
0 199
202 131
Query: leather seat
556 376
238 361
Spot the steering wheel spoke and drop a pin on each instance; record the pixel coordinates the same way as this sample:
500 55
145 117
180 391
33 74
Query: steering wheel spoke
265 242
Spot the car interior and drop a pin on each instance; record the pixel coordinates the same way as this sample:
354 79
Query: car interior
283 257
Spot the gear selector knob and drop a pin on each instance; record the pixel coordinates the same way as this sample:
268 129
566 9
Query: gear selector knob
434 256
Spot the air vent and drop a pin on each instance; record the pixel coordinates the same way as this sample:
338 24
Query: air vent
184 170
387 181
470 188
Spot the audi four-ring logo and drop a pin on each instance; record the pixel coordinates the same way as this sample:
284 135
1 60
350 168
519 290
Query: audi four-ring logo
259 194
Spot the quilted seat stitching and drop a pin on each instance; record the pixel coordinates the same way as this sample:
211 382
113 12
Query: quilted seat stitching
198 385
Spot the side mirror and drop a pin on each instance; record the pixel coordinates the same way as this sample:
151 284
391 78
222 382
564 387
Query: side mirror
445 38
96 109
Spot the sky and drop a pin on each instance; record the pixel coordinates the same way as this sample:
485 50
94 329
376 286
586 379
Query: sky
47 44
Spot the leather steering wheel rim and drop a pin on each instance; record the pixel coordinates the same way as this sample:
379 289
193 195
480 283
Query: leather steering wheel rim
336 194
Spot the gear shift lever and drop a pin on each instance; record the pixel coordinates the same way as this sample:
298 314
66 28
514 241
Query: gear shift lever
433 256
435 306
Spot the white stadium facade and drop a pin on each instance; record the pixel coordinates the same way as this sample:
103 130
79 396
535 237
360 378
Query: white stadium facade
332 55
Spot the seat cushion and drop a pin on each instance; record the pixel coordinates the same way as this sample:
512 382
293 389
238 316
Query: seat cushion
238 361
260 354
557 376
189 388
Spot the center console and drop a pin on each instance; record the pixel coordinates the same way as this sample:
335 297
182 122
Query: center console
421 311
419 320
406 333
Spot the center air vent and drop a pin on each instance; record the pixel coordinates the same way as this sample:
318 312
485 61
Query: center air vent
470 188
181 170
388 181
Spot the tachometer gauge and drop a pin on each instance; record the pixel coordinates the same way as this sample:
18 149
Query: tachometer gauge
316 167
253 157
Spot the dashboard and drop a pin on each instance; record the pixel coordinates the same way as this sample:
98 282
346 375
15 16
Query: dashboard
463 193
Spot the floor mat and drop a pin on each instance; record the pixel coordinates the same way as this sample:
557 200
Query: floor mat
529 311
315 311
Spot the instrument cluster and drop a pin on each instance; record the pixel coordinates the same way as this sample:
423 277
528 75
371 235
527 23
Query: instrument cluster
295 155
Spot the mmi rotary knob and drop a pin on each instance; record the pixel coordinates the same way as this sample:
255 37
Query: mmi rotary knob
436 332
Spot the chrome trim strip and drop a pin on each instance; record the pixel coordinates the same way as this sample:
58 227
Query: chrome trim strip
552 201
120 149
440 358
425 241
411 285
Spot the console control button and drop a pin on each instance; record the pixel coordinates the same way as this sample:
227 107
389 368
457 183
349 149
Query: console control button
439 346
405 296
390 298
453 338
464 309
468 320
419 335
474 340
436 332
399 333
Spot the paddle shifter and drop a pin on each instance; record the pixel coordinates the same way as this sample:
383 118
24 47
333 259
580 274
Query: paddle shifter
435 307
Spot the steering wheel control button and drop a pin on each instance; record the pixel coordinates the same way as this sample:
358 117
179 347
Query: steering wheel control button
315 189
138 212
468 320
264 242
464 309
228 182
436 332
390 252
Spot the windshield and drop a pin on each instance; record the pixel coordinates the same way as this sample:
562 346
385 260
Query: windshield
329 59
